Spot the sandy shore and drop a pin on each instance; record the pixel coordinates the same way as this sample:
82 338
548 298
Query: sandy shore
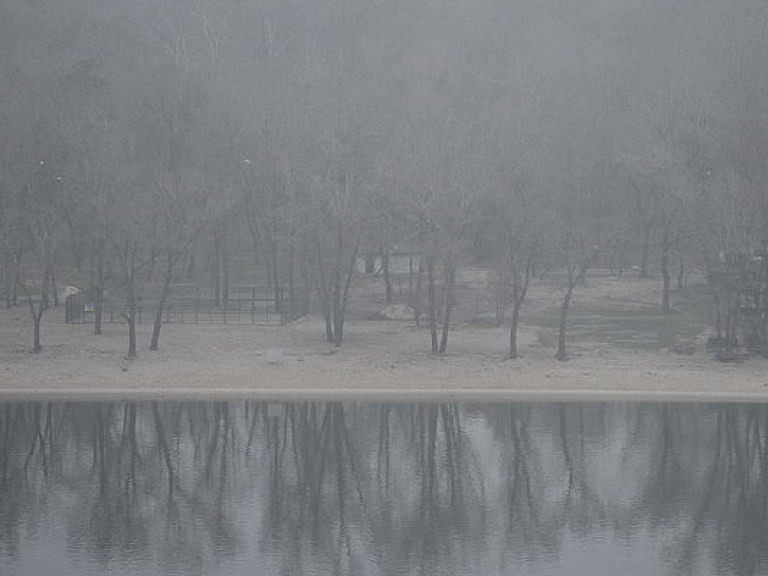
390 396
381 361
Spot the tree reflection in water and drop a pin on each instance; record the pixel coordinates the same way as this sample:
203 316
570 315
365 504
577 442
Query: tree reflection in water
393 489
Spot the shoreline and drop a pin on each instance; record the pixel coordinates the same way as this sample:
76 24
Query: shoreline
382 361
376 395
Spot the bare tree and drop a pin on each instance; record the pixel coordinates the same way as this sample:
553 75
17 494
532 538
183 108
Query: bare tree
579 257
337 243
43 243
39 213
180 229
15 239
126 251
645 211
127 235
515 235
266 203
521 255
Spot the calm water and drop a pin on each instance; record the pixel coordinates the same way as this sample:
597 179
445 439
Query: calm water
316 489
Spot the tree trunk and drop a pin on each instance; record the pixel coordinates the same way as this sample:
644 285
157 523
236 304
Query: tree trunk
132 305
622 262
337 336
417 293
152 262
328 325
450 279
274 258
324 295
224 268
337 302
37 348
666 279
7 279
385 273
561 353
131 317
16 278
665 307
166 290
763 297
432 303
216 267
98 293
370 263
718 315
190 273
513 328
37 314
646 247
410 275
665 249
77 252
501 297
54 288
681 275
519 292
731 325
306 279
340 300
333 290
292 277
338 328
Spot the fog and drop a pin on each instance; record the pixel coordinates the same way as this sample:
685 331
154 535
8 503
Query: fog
147 144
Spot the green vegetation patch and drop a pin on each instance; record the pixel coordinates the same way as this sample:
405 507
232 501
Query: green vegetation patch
638 328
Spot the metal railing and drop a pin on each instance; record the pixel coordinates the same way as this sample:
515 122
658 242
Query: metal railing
259 307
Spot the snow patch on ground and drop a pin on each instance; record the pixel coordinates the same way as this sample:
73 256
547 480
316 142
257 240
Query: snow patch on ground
397 312
376 356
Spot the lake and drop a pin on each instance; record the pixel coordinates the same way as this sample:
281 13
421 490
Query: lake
236 488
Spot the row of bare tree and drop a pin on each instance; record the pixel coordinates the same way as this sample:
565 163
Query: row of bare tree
142 139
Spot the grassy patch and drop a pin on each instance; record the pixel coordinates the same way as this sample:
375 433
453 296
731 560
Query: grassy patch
633 327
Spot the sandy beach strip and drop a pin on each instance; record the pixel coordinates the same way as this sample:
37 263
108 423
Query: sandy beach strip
380 362
379 395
